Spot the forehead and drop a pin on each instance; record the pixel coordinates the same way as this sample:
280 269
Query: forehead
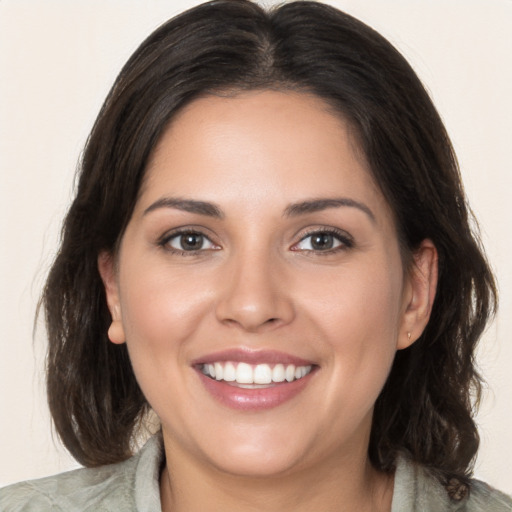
253 144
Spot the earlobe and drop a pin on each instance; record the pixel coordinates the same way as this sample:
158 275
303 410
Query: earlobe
106 268
421 290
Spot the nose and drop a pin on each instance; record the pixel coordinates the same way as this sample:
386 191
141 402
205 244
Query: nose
255 295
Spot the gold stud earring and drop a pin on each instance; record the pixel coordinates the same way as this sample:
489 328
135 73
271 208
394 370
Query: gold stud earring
409 336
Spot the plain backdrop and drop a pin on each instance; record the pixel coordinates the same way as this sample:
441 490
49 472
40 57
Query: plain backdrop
58 59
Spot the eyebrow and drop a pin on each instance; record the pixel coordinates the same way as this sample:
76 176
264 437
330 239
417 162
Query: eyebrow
186 205
292 210
317 205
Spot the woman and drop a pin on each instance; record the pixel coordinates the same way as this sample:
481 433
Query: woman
269 248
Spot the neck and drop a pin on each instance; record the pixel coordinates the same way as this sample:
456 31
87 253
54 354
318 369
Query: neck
340 484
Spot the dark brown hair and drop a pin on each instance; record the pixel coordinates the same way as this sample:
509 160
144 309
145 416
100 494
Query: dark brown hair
426 406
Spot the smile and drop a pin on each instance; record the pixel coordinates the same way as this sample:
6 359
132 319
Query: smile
244 374
254 380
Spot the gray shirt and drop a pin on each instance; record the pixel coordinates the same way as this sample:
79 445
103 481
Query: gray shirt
133 485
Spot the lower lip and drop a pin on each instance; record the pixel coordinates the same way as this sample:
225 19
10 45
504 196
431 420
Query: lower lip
254 399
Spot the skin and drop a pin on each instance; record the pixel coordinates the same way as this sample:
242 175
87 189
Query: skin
256 283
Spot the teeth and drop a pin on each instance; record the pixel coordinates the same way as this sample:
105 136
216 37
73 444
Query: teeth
246 374
278 374
229 372
262 374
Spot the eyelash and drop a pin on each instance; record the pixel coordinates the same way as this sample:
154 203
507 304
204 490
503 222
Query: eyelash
344 239
164 242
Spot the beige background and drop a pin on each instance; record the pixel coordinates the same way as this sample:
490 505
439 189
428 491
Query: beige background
58 59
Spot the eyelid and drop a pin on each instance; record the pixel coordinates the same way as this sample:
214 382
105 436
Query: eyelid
163 241
346 241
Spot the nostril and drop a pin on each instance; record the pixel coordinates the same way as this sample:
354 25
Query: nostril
251 325
251 309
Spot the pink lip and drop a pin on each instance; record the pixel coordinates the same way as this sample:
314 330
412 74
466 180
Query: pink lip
254 399
239 355
258 398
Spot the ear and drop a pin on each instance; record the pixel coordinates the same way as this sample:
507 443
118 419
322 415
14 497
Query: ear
107 270
419 293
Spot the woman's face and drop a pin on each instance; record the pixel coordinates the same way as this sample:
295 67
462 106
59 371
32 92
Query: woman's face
259 286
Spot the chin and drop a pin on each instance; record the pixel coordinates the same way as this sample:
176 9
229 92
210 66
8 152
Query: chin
247 450
259 463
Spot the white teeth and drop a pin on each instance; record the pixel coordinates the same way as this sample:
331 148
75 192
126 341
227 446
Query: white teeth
243 373
278 373
219 371
229 372
290 373
262 374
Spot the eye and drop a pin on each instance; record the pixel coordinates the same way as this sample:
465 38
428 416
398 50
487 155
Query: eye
189 241
324 241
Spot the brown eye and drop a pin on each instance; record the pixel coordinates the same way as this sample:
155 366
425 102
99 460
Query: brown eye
324 241
189 242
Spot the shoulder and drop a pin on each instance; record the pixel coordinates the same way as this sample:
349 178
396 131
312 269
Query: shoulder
82 489
110 488
484 498
416 489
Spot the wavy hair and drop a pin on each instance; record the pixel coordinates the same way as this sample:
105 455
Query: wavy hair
427 404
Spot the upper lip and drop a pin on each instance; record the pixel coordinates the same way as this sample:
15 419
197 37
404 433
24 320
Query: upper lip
242 355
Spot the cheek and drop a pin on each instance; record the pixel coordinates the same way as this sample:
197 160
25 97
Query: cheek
161 306
358 319
161 311
357 302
